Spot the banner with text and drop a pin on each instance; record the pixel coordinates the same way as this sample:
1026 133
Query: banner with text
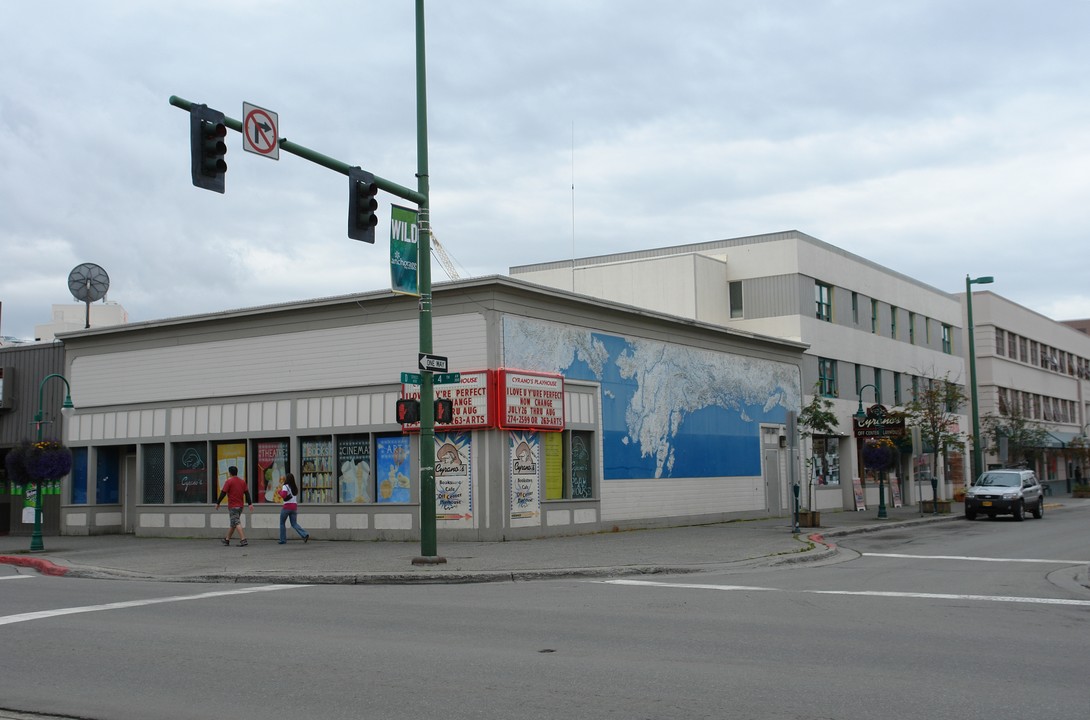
404 250
529 400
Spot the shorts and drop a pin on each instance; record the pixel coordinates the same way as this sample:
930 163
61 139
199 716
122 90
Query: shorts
236 516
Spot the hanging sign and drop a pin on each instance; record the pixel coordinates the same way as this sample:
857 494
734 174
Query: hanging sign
404 250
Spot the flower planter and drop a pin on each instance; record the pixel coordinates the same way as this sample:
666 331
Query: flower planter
810 518
928 506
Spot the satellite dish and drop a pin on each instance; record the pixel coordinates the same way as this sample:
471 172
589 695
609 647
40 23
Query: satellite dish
88 282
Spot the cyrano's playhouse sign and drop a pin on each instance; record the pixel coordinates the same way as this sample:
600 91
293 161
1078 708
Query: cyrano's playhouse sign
878 423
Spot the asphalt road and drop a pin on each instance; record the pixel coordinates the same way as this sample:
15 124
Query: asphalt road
967 620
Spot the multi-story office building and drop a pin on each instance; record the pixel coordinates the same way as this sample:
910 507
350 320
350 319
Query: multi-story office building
873 334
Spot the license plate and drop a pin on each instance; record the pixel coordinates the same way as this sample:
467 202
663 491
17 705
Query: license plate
987 503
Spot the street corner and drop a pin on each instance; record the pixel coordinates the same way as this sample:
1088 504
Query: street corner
42 565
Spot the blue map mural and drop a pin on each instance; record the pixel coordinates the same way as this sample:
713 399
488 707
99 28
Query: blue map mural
667 410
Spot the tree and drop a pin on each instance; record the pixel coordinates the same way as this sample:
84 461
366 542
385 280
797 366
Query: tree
816 418
1024 438
934 410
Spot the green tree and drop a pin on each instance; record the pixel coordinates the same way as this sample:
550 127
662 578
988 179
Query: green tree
816 418
1024 438
934 410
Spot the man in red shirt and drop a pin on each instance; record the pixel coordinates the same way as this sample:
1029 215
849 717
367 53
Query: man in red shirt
237 494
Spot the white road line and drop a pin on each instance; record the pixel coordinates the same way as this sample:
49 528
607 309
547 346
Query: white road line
864 593
15 577
977 559
43 614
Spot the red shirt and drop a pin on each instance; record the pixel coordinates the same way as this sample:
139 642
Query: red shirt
235 487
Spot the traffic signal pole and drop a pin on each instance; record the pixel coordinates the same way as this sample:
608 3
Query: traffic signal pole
428 545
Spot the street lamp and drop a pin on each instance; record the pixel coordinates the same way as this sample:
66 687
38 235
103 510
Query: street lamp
860 415
67 409
978 459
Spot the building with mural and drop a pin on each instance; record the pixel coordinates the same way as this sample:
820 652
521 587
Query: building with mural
570 415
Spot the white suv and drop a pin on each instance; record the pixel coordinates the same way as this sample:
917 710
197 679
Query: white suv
1005 492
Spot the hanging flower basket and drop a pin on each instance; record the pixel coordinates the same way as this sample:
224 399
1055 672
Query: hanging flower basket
42 460
879 454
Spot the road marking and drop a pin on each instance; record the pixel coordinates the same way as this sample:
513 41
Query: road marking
43 614
15 577
863 593
977 559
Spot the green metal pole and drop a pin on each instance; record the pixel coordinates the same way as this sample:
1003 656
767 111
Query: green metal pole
36 543
978 460
428 546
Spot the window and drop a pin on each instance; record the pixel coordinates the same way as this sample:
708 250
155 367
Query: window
734 290
878 385
951 400
1012 346
1034 353
568 465
947 342
827 377
893 321
154 473
190 472
341 471
874 316
79 476
858 378
855 308
107 474
826 460
1023 353
927 331
823 299
912 328
1002 401
915 387
897 388
1001 341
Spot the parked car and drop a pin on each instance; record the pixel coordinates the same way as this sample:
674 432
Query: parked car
1005 492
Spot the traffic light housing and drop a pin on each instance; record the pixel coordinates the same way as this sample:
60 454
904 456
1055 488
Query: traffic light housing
207 146
362 205
444 411
408 411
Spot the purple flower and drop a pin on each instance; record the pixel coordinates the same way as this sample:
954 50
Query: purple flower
48 460
879 454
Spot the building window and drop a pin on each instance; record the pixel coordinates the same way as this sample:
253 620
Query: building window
107 475
912 328
878 385
951 401
947 343
1023 350
826 460
190 472
1002 392
858 378
823 299
893 321
78 478
154 473
1034 353
734 290
897 388
1012 346
1001 342
927 331
572 478
855 308
827 377
874 316
915 387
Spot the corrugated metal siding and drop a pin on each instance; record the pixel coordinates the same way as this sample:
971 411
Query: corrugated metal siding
29 366
773 296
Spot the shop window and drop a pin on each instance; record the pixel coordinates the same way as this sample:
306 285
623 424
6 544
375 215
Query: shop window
392 469
79 476
826 467
228 455
153 473
190 472
271 464
354 469
107 475
316 470
569 466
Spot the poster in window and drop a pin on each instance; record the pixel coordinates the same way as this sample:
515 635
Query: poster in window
580 466
191 473
525 469
316 470
229 455
554 466
272 466
354 468
392 469
453 485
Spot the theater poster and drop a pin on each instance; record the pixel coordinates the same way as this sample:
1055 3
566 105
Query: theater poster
525 478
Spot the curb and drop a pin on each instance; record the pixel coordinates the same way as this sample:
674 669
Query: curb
45 567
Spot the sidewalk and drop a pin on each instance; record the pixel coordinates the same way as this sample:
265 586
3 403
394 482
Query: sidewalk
674 550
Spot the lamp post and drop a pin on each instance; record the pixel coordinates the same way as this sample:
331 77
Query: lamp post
860 414
978 459
67 408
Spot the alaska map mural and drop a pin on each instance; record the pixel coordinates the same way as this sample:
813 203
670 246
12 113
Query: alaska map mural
667 410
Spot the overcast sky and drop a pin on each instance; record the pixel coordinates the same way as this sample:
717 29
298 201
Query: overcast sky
936 138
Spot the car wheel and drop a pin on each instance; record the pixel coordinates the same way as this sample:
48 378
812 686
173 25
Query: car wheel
1017 512
1039 511
970 514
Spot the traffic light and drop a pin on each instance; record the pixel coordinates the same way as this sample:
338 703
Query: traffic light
206 143
362 205
408 411
444 411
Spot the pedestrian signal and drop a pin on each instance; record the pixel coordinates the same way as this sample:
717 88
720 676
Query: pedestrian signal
408 411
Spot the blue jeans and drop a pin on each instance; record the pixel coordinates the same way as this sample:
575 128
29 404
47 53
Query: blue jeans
286 514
